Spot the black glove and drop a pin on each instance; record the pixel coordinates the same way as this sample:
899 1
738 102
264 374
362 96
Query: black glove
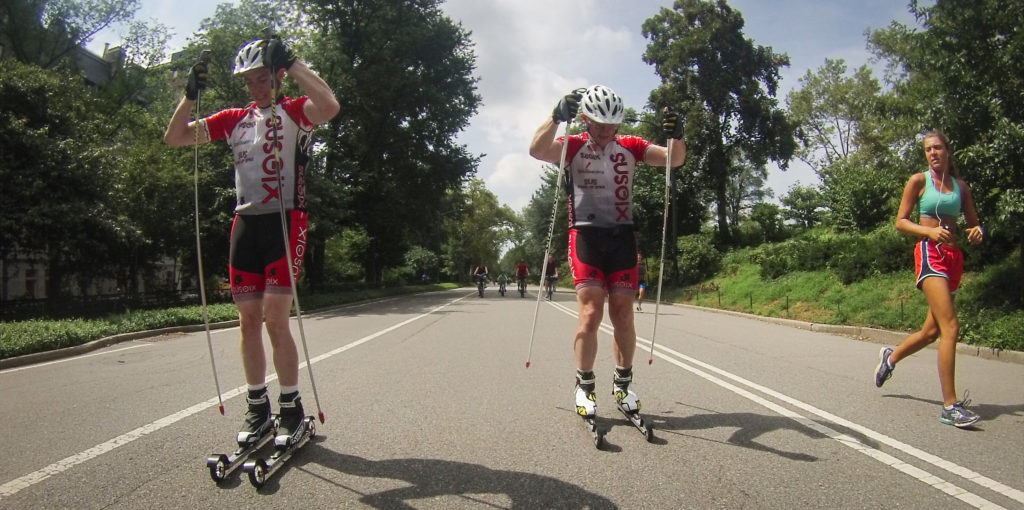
196 80
277 55
672 124
567 108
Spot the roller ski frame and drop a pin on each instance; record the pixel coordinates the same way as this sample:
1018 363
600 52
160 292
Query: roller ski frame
596 434
221 465
260 469
638 421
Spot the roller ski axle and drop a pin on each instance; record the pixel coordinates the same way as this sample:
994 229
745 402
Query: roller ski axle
260 469
222 465
259 427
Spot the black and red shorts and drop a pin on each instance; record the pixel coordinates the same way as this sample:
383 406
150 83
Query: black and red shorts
604 257
257 259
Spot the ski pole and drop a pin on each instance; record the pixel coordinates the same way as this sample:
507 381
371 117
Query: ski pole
551 230
664 228
284 233
203 57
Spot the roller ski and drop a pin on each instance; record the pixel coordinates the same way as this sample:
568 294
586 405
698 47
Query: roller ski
586 407
258 429
294 430
629 404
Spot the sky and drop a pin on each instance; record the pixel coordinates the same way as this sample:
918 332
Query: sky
531 52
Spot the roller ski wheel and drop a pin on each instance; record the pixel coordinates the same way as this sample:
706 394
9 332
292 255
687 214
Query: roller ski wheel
260 470
222 465
638 421
596 434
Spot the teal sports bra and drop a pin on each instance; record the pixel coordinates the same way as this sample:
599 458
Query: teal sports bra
946 205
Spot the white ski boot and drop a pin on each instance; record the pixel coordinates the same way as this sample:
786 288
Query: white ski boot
625 397
586 400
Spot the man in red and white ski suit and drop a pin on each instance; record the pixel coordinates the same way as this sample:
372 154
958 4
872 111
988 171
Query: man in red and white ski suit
269 139
602 243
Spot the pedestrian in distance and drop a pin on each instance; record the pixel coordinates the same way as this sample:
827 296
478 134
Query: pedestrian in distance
641 281
600 166
938 196
270 139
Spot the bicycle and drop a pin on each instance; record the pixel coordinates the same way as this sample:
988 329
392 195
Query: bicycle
501 287
480 285
522 286
550 285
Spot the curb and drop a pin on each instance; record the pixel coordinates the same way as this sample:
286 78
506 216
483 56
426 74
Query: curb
874 335
42 357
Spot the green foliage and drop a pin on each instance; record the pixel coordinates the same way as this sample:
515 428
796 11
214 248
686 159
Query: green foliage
27 337
851 256
421 260
698 257
804 204
345 253
882 300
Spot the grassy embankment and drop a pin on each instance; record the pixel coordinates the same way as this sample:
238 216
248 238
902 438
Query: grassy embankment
886 301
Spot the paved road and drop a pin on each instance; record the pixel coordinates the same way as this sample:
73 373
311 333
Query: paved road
429 405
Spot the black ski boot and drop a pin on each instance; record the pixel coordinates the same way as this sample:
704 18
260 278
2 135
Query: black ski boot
257 419
290 426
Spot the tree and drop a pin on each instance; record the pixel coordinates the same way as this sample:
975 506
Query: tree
481 228
803 204
745 190
725 84
45 32
403 76
831 113
55 182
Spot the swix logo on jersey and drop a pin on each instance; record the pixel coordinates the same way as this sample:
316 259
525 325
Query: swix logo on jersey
298 251
272 163
622 192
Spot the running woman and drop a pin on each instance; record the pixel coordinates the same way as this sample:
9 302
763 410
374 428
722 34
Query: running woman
258 270
602 243
939 196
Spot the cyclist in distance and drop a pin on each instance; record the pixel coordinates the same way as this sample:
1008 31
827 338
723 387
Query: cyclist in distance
551 274
522 271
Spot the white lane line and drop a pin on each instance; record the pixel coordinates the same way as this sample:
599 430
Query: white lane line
60 466
37 365
893 462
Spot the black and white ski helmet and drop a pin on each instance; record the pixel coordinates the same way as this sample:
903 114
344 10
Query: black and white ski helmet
602 104
250 56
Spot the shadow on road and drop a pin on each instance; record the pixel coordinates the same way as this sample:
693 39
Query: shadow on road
986 411
431 478
749 426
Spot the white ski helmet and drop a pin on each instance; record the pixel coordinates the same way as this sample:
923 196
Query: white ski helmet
602 104
250 57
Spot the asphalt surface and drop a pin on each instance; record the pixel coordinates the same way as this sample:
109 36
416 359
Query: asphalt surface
428 404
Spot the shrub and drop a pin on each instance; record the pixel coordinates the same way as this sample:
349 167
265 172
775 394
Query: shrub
697 257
